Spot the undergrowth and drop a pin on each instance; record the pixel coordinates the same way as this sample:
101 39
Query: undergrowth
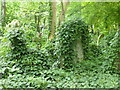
24 67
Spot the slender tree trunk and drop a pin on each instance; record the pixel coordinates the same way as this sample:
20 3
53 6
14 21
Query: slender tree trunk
64 9
52 25
3 12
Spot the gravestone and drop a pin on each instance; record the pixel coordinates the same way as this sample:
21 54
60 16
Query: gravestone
78 48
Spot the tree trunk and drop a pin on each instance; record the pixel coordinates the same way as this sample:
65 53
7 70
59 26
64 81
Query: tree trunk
52 22
64 9
3 12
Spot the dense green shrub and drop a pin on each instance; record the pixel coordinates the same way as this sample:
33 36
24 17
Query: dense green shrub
114 50
17 42
58 78
35 74
69 32
94 51
28 59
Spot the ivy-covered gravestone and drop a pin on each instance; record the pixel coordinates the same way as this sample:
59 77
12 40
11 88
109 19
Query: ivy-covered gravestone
15 34
73 42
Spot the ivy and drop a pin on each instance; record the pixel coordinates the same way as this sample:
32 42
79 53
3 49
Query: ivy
24 57
69 32
17 42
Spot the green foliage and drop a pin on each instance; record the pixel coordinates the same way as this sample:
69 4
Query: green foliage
114 49
30 61
12 11
59 78
94 51
103 18
17 42
69 32
18 51
35 69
